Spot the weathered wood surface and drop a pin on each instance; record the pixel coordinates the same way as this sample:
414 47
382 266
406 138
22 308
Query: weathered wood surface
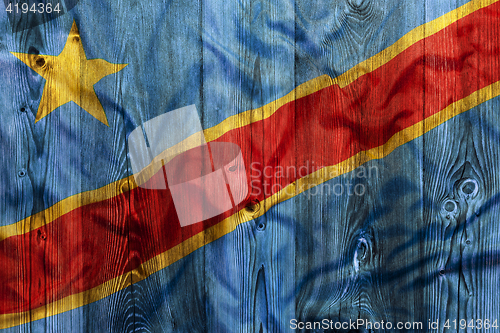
420 245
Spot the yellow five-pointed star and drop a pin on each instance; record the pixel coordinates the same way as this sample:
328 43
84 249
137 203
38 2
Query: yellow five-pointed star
70 76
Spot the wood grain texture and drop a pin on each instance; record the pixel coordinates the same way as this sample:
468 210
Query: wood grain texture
420 244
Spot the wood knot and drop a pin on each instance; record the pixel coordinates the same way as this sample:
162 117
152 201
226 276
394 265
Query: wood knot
362 253
42 235
261 226
253 206
40 61
355 3
124 187
468 188
450 206
450 209
359 5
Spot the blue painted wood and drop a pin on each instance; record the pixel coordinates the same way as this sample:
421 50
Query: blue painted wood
415 247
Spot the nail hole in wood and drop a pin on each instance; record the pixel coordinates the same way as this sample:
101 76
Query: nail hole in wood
41 235
40 62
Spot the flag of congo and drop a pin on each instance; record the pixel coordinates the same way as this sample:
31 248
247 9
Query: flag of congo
338 123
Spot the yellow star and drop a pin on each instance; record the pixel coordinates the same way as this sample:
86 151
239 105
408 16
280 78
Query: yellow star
70 76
